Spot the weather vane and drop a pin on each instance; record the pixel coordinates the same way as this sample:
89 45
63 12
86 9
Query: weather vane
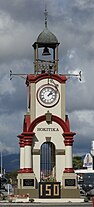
75 75
23 75
46 15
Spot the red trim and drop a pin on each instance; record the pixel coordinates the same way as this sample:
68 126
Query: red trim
21 171
26 138
68 138
68 142
27 141
69 134
28 135
69 170
21 143
67 121
26 170
20 136
21 140
36 78
56 119
26 122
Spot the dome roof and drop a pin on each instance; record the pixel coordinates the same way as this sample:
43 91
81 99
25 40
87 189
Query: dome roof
47 37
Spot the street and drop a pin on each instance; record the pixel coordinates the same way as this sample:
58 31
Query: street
36 204
46 205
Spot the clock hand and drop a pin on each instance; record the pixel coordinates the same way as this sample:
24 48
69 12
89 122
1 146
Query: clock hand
50 93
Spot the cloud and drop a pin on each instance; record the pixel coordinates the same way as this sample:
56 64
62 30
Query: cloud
21 21
6 86
82 124
10 127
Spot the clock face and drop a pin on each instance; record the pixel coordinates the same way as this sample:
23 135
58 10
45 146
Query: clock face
48 95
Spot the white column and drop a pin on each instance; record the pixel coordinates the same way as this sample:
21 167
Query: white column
21 158
68 140
27 157
21 143
68 159
27 151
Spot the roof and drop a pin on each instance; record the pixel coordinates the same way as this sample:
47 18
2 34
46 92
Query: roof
46 37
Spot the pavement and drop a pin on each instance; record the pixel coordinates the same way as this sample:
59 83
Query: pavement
60 200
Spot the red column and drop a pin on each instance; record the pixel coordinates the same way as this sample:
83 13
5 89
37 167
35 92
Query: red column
68 140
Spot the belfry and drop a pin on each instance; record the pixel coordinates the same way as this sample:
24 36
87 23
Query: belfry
46 169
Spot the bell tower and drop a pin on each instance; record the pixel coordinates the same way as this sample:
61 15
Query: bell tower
46 169
49 43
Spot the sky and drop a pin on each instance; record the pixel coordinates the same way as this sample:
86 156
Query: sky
21 21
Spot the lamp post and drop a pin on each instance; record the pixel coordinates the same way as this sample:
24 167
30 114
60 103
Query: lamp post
1 163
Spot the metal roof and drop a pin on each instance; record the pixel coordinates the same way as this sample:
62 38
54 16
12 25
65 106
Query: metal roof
46 37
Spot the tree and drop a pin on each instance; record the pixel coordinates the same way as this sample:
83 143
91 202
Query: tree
77 162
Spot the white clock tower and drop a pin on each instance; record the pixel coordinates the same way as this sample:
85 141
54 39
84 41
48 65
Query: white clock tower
46 141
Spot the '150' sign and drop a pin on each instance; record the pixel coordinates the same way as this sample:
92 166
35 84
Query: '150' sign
49 190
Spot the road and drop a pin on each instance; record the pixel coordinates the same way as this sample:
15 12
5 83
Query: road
46 205
85 204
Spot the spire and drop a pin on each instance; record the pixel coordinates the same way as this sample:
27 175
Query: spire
46 14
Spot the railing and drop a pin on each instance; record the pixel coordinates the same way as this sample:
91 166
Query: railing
45 67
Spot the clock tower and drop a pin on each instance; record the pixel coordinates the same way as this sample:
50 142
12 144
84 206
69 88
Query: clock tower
46 141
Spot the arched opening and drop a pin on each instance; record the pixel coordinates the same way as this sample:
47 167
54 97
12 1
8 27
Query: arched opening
47 162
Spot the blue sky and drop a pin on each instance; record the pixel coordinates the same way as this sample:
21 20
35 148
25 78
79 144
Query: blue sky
21 21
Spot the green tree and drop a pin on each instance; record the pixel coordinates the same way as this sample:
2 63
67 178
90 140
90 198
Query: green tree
77 162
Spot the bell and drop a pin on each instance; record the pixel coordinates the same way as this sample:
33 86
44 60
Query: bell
46 51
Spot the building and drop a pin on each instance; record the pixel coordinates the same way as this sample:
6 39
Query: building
46 140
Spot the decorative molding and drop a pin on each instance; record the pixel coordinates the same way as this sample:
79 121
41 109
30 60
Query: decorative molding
68 138
26 170
48 139
31 78
69 170
56 119
60 152
36 152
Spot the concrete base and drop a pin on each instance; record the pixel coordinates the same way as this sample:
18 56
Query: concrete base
26 181
33 193
61 200
70 193
69 181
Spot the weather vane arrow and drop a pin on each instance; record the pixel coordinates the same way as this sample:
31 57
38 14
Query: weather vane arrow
22 75
72 74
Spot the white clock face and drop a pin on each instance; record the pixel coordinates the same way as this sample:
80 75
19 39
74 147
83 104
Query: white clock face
48 95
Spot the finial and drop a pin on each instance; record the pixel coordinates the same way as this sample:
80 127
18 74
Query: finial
46 14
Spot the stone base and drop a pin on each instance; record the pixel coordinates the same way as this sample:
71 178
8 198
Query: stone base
69 186
26 181
70 193
69 181
33 193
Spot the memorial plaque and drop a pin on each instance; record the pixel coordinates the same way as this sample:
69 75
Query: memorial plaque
69 182
28 182
49 190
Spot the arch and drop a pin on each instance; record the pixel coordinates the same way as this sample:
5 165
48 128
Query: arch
54 118
47 161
